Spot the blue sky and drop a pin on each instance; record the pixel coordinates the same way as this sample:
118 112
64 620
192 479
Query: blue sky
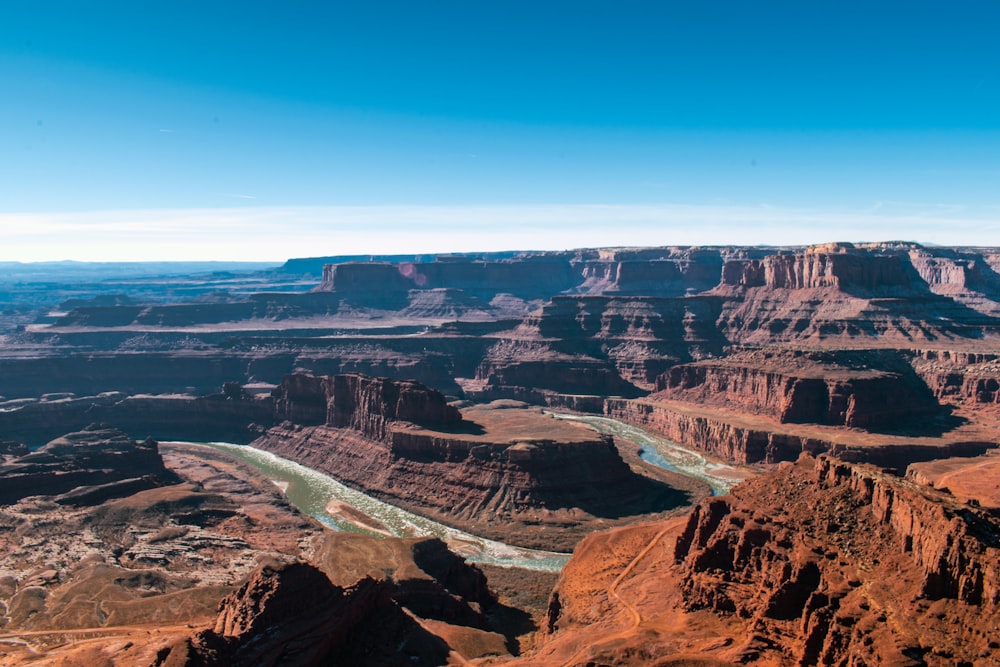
223 130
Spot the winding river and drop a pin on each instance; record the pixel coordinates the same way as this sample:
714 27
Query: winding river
317 495
312 491
666 454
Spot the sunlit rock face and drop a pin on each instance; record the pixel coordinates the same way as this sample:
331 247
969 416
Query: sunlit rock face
85 468
487 469
821 562
361 403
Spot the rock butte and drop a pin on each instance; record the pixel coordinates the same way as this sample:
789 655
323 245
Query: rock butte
822 562
499 470
861 381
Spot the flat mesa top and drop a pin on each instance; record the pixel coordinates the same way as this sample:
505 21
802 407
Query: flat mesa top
976 478
801 368
504 421
848 437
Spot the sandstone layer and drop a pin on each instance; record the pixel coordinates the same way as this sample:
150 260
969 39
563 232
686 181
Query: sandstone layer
610 319
501 470
970 479
747 438
85 468
823 562
868 389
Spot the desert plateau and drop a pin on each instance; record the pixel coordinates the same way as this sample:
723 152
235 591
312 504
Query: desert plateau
669 456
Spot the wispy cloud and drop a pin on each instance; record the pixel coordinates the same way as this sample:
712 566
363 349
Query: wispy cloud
277 233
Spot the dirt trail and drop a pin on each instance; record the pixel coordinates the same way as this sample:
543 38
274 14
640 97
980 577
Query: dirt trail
613 595
454 657
57 647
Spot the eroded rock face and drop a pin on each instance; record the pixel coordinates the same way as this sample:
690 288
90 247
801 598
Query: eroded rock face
965 275
746 438
966 377
738 442
363 601
285 613
535 493
85 468
367 405
865 389
823 562
845 270
817 569
602 345
487 470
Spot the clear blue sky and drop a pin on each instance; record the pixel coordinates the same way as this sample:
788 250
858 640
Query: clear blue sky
264 130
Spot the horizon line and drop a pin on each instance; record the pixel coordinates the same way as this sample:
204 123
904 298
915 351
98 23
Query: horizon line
262 234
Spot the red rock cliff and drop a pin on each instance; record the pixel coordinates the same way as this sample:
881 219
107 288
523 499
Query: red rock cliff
818 269
966 377
283 614
551 480
827 549
821 563
857 389
361 403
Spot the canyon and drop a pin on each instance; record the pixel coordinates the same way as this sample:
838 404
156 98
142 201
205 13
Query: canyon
500 470
823 562
856 386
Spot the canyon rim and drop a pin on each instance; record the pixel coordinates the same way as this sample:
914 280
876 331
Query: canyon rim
630 456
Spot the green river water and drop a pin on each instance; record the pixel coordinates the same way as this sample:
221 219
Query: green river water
312 491
666 454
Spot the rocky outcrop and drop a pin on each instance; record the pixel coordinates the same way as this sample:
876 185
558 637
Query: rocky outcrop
821 563
364 404
169 417
863 389
413 603
713 433
602 345
966 275
666 271
776 568
421 575
485 470
85 468
966 377
671 272
283 614
743 438
846 270
532 492
526 277
838 292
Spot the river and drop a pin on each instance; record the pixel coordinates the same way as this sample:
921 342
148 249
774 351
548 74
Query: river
666 454
312 492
